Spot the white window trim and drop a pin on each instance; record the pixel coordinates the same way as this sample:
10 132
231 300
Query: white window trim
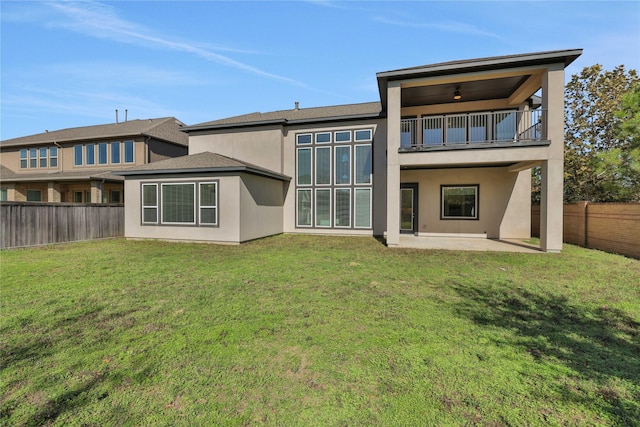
315 138
335 162
343 131
106 154
51 157
156 206
298 167
335 203
355 207
86 153
315 219
193 184
363 140
111 144
124 152
355 165
315 177
304 134
312 218
201 206
75 164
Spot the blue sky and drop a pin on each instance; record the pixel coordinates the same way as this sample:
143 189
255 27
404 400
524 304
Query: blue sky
67 64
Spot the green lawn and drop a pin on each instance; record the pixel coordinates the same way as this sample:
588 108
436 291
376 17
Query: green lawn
316 331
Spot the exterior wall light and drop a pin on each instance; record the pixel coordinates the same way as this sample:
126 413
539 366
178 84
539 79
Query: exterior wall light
457 95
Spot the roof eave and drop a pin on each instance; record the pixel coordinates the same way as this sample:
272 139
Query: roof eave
233 125
223 169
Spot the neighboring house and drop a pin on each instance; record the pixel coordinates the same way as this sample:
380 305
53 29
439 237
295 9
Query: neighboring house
76 164
448 150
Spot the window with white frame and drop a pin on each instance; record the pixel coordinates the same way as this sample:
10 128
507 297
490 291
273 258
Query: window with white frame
334 179
40 157
77 155
102 153
180 203
115 152
459 202
209 203
128 152
149 203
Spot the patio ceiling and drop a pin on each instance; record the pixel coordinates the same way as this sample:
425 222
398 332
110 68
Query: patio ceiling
476 90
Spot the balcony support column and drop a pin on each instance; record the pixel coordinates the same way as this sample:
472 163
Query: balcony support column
552 171
393 163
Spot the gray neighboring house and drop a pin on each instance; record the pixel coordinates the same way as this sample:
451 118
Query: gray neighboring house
76 164
446 151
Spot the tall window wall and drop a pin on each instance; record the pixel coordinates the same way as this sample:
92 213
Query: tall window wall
334 179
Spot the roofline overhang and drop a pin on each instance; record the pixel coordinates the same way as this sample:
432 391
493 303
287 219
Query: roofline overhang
565 57
59 178
96 138
224 169
282 122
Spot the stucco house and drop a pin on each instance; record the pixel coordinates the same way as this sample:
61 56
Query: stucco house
76 164
446 151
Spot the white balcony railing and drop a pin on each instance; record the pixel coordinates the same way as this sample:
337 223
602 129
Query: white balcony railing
472 129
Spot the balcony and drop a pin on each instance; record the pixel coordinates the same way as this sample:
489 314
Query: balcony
473 130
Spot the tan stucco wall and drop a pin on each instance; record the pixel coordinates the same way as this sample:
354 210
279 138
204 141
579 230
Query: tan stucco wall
261 201
228 216
504 210
260 146
249 207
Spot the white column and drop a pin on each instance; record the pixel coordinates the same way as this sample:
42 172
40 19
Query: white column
393 166
551 200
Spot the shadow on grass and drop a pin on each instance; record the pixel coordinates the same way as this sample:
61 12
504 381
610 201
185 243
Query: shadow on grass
599 344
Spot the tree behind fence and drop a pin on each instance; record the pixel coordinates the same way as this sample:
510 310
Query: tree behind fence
32 224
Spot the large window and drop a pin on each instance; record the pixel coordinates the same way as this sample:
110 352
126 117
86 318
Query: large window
334 178
304 166
41 157
459 202
33 158
180 203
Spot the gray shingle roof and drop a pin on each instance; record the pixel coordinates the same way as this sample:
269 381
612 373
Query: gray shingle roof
293 116
166 129
199 163
7 175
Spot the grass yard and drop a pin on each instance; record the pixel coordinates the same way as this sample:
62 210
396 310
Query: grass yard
316 331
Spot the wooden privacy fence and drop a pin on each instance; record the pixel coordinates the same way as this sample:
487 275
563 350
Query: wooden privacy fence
610 227
32 224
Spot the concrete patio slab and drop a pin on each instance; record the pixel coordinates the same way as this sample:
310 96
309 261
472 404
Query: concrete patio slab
467 244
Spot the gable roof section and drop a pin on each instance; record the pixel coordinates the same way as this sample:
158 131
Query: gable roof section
200 163
565 57
295 116
166 129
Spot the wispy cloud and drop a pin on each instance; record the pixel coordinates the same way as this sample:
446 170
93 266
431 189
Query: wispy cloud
447 26
102 21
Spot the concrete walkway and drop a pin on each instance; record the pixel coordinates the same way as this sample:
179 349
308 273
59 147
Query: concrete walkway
467 244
